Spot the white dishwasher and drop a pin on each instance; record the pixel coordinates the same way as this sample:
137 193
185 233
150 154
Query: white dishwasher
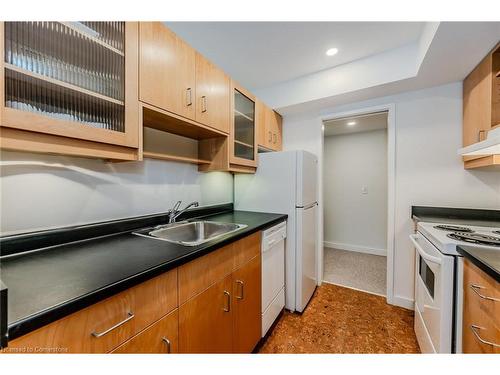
273 274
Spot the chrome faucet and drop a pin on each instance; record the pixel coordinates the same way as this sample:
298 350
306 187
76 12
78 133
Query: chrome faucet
174 212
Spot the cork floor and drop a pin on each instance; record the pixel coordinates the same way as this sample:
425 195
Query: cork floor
342 320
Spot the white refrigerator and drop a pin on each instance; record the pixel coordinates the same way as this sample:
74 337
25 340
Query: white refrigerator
286 183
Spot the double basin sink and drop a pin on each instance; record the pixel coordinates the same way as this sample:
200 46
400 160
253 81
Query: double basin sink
191 233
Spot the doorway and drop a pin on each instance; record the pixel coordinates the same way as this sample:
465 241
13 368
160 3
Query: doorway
356 201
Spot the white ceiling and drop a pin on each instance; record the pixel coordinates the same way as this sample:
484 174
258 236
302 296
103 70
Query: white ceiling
262 54
364 123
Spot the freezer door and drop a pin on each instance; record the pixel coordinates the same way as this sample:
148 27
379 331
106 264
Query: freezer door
307 178
306 255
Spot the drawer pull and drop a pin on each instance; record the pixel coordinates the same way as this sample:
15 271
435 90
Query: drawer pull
241 296
167 343
474 330
130 317
227 306
475 288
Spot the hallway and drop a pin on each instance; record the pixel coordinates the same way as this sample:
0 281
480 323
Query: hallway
342 320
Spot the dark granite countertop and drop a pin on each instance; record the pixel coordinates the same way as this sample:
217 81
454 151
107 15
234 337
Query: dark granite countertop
486 258
49 284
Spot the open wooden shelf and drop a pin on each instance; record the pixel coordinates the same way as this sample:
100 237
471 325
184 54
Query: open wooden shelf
182 159
159 119
62 84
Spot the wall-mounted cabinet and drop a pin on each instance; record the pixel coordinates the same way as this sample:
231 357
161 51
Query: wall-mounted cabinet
102 89
175 78
238 152
166 70
70 88
481 107
269 128
243 146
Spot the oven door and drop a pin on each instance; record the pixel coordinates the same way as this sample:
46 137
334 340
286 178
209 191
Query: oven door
433 296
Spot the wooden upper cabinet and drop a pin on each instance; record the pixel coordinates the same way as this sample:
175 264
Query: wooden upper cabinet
269 128
247 300
275 130
481 107
212 95
260 122
166 70
83 89
205 321
477 97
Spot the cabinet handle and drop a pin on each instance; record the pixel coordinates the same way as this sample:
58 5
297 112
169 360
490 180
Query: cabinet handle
227 306
274 136
481 135
475 288
241 296
270 137
130 316
167 344
203 104
189 97
475 330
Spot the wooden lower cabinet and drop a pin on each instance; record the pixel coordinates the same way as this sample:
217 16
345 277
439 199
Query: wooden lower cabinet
481 315
205 321
105 325
160 337
209 305
247 300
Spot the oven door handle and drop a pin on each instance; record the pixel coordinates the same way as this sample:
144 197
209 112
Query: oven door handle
423 254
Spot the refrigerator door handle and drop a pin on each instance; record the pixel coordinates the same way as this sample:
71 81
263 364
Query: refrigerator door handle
308 206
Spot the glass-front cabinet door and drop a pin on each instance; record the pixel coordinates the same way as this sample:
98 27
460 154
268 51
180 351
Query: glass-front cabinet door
71 79
243 134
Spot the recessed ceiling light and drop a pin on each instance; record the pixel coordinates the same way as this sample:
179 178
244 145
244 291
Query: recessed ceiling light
351 123
331 51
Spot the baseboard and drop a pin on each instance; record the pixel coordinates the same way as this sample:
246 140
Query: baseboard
356 248
403 302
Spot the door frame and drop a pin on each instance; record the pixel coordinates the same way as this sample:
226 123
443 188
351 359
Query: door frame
391 184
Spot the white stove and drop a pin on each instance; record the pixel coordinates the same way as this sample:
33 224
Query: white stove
445 238
439 281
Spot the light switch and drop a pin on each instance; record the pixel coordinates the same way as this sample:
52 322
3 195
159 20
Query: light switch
364 190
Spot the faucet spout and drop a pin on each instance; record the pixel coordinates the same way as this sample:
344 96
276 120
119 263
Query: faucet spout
175 212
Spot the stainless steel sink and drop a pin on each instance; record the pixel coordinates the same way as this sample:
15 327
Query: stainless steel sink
192 233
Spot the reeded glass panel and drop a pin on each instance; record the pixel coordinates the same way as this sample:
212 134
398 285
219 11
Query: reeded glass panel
244 126
67 70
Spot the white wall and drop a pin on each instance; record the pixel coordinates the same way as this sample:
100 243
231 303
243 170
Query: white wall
355 219
428 126
41 191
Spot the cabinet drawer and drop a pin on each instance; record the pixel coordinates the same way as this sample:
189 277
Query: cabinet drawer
481 316
477 284
103 326
246 249
160 337
201 273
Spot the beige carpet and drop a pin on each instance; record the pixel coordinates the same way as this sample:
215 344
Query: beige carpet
356 270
